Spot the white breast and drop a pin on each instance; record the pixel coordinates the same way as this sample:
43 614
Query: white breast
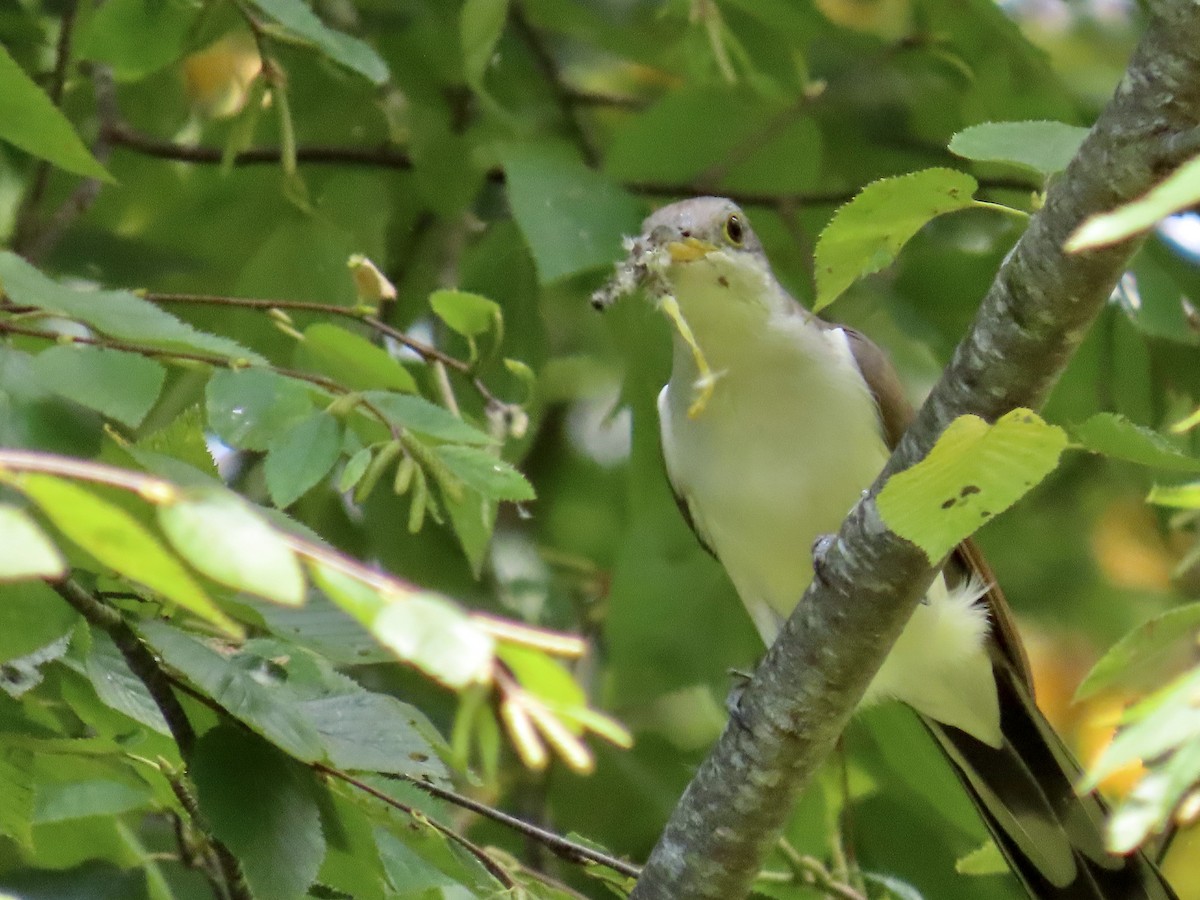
787 443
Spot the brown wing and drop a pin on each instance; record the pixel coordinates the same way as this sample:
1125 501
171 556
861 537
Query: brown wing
895 414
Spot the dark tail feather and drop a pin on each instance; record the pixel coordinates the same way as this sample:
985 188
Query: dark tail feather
1052 838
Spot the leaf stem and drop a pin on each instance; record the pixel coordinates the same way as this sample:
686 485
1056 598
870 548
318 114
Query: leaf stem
1000 207
559 845
211 359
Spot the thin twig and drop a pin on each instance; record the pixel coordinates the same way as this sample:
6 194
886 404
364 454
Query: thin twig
559 845
814 872
553 78
121 135
211 359
386 157
474 849
26 217
139 658
158 684
357 313
232 882
39 245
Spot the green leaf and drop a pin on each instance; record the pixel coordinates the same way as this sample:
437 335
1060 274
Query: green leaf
1178 496
182 439
119 541
300 457
423 417
984 860
247 408
572 217
355 469
867 233
325 628
32 615
267 710
351 865
16 795
1179 191
61 802
116 685
352 360
25 551
1045 147
473 518
120 385
895 887
409 871
467 314
299 21
263 807
1144 651
973 472
116 314
1115 436
480 25
420 628
423 859
484 472
136 38
370 732
31 121
223 537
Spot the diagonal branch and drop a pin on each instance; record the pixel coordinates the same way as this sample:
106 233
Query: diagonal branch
1032 319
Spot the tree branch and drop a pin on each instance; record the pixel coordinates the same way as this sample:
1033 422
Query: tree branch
37 245
121 135
147 670
27 216
1032 319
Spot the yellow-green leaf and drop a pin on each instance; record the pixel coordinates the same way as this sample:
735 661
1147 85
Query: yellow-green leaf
1178 496
352 360
219 534
25 552
29 120
119 541
420 627
973 472
1179 191
867 233
1045 147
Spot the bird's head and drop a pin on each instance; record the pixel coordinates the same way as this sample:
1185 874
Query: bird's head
701 251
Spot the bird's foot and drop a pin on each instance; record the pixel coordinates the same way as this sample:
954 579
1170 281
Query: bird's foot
733 700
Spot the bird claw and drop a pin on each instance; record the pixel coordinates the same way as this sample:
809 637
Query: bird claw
820 550
733 700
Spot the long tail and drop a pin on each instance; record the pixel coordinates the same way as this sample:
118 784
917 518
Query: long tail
1024 790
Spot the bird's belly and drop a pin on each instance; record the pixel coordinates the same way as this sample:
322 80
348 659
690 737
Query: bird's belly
765 473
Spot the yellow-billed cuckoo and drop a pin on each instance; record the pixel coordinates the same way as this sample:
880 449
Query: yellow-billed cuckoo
773 422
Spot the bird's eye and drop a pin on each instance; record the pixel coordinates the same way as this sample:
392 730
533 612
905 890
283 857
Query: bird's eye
735 230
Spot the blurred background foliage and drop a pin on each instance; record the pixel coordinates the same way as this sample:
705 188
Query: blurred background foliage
503 147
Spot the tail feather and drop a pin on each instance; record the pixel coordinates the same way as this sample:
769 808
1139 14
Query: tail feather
1024 790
